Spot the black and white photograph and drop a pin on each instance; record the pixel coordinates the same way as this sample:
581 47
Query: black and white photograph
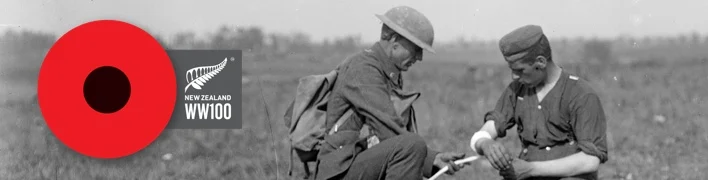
437 90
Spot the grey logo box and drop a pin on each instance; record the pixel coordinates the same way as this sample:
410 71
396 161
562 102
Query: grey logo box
208 89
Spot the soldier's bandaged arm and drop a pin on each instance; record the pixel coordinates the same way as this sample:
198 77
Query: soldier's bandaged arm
578 163
488 131
497 121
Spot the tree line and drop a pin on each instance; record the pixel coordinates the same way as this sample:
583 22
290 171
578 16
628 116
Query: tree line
279 45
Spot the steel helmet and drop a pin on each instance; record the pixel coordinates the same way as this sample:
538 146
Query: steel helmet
410 24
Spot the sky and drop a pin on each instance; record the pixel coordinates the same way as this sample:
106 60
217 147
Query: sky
452 19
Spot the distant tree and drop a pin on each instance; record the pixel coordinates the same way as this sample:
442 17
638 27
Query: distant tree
200 44
301 42
347 43
220 39
670 41
597 51
250 39
280 44
580 39
682 39
24 52
325 45
647 41
695 38
255 38
184 39
26 41
461 42
625 39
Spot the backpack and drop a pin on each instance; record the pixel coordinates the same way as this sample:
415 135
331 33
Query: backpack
306 115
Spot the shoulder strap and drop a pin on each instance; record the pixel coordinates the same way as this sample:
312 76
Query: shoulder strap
564 103
341 121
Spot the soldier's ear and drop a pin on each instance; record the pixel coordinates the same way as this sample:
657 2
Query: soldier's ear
393 38
541 62
396 45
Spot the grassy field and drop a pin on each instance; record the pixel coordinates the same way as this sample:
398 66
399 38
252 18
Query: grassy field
655 111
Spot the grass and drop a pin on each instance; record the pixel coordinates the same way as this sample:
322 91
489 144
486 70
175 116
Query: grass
656 122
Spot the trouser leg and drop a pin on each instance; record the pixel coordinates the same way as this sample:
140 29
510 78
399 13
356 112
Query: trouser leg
399 157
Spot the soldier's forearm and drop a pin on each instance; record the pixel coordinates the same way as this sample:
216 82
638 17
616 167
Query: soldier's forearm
578 163
487 128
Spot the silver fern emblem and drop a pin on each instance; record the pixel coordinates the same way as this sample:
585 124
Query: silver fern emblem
198 76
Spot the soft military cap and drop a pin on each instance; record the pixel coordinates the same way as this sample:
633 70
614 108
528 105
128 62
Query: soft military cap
519 42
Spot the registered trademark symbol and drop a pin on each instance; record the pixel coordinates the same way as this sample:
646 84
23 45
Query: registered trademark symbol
232 58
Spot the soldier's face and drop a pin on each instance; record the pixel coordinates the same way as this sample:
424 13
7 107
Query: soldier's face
526 72
407 54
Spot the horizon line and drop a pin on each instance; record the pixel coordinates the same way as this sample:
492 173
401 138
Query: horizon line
5 28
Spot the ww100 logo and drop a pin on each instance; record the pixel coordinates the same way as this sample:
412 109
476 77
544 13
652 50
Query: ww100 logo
211 106
209 96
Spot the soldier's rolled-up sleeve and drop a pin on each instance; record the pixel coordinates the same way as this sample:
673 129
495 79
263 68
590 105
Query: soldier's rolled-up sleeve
503 112
589 126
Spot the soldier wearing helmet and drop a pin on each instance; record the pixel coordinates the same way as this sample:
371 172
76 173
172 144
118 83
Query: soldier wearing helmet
367 83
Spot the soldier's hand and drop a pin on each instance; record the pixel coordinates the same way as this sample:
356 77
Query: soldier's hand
519 169
495 152
447 159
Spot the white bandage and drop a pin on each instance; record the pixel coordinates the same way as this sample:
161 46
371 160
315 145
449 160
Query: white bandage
476 137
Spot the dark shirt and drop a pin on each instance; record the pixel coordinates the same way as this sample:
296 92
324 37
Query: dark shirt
365 83
571 112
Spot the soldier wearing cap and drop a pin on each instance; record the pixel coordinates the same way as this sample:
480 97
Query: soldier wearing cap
559 117
365 83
